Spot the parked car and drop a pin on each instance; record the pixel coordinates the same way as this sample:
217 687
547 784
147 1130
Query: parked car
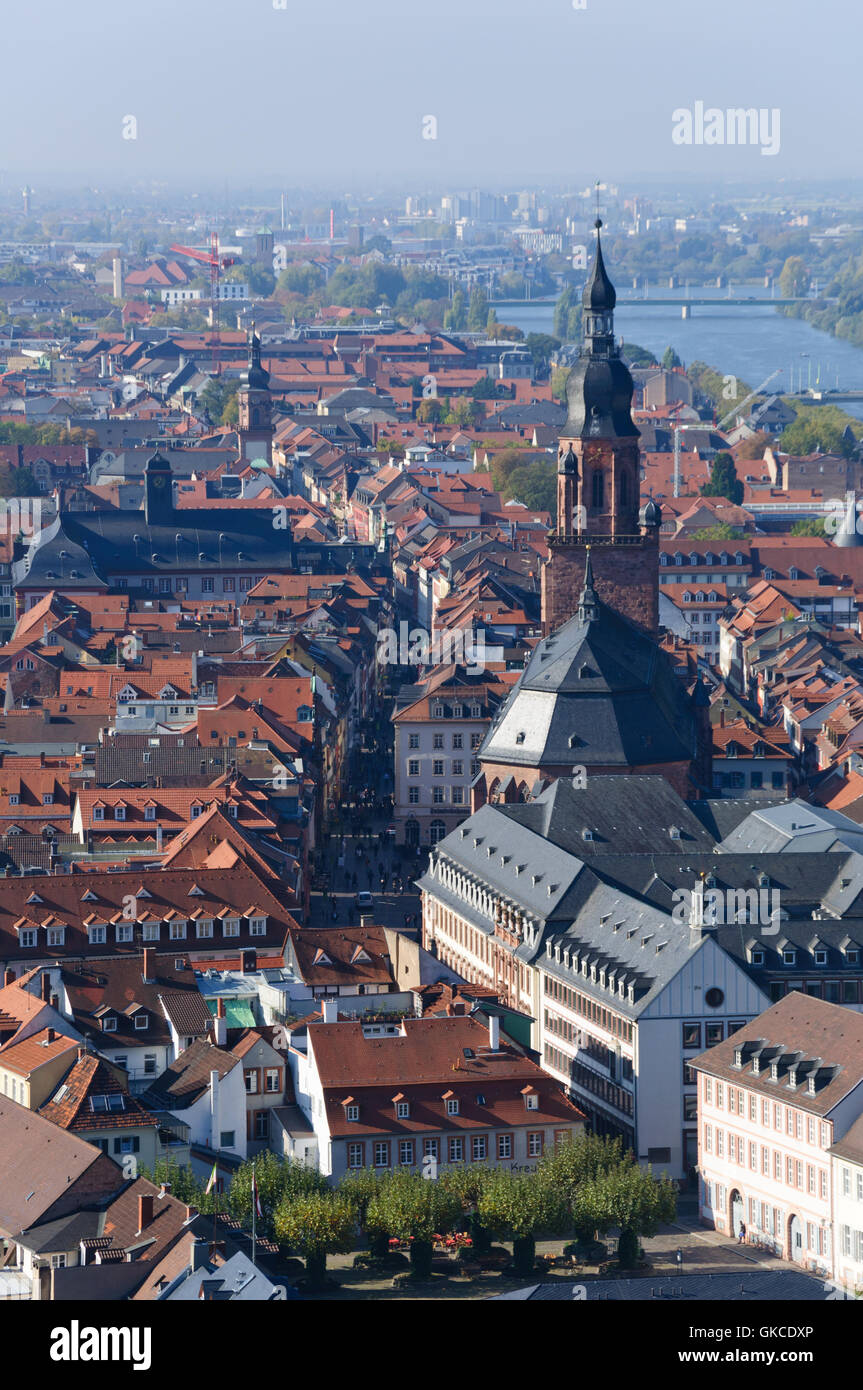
364 900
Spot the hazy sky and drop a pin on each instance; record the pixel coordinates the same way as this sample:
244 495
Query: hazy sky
332 93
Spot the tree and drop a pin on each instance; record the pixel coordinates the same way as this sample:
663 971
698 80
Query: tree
794 278
486 389
809 526
670 360
278 1180
183 1183
631 1199
724 481
519 1207
567 315
431 410
570 1165
818 428
415 1209
638 356
378 242
465 413
455 318
359 1186
720 531
219 400
477 314
466 1182
316 1225
301 279
559 378
534 484
541 346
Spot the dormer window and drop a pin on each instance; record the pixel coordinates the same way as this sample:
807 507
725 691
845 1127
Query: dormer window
820 955
109 1024
120 811
352 1113
738 1056
98 812
452 1105
531 1101
774 1071
141 1022
403 1109
149 813
789 956
757 957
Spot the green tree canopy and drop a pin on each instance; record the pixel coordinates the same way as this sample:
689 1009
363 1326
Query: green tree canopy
316 1224
670 360
794 278
278 1180
631 1199
477 314
724 481
823 427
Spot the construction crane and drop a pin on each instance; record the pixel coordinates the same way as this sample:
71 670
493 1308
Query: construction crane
216 264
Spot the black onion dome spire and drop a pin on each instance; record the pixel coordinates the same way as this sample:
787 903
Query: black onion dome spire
256 378
599 388
599 293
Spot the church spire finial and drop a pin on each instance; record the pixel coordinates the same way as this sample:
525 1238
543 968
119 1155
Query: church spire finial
588 604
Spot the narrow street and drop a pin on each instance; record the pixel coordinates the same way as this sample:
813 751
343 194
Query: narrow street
358 855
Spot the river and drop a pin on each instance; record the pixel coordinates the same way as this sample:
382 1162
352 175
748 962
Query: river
748 343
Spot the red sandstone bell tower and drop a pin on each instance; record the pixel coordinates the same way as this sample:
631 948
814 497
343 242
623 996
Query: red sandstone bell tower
598 481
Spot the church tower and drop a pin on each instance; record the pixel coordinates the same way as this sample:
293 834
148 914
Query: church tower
158 491
598 481
254 407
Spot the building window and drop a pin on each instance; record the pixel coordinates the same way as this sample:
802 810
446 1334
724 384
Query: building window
413 767
251 1080
437 741
437 767
692 1035
504 1146
535 1139
452 1107
403 1109
226 1139
406 1152
479 1148
413 740
413 796
273 1079
382 1153
352 1112
458 796
356 1155
456 1150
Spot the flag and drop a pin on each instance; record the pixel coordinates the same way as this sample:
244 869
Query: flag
212 1181
255 1198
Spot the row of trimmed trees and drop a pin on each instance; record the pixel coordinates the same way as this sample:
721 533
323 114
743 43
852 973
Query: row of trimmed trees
584 1188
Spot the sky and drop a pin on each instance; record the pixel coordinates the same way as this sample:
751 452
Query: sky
337 94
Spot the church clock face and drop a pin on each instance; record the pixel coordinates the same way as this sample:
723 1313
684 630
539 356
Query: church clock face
158 481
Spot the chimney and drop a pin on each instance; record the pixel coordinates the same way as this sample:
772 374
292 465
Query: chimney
8 976
330 1010
198 1259
494 1032
366 919
147 972
50 1035
159 838
722 719
45 987
248 962
191 1212
145 1211
220 1025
